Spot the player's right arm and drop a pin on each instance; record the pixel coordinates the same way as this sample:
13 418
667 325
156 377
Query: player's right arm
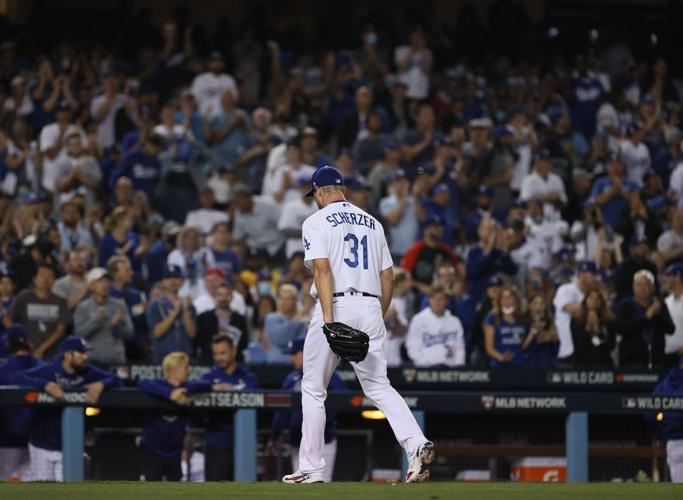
317 258
386 278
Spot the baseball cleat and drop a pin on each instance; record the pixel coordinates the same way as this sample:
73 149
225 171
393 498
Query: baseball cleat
418 469
301 478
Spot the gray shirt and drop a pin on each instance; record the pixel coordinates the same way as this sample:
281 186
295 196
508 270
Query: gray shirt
64 287
259 227
107 340
405 232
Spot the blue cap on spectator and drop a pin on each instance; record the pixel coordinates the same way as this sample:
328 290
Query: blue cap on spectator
514 111
647 99
294 346
173 271
674 270
483 122
394 176
587 266
440 140
74 343
390 145
633 128
264 274
303 180
637 239
503 131
63 105
30 199
145 111
517 203
494 281
6 272
16 336
354 184
485 190
542 154
565 254
216 55
433 219
227 167
326 176
440 188
427 169
554 114
613 156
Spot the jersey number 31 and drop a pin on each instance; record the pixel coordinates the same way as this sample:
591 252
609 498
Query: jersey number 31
354 250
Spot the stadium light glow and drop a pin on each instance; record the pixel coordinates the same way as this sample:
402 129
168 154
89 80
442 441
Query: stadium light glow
91 411
373 415
660 417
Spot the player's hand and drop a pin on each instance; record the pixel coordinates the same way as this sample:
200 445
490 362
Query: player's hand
179 396
271 448
54 390
93 392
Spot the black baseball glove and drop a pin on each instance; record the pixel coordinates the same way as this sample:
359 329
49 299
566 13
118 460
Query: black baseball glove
346 342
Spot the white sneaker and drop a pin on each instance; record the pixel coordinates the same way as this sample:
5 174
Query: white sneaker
302 478
418 469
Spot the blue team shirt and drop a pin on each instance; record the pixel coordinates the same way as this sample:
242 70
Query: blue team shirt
144 172
508 337
219 430
15 422
587 93
46 429
612 209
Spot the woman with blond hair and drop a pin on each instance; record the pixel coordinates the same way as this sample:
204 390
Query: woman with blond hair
282 326
120 239
593 332
192 258
505 329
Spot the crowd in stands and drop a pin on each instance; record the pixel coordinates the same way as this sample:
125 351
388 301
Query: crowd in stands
534 209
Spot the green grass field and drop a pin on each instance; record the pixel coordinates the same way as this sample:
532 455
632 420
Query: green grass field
346 491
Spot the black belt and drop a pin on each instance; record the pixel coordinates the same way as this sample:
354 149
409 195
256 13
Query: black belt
342 294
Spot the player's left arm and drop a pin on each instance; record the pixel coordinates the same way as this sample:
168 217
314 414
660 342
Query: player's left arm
386 278
322 274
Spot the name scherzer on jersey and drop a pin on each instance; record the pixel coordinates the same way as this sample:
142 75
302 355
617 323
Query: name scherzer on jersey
354 243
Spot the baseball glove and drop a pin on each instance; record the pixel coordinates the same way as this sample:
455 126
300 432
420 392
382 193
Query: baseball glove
346 342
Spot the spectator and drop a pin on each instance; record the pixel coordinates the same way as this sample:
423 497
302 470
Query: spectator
142 167
206 216
635 154
15 423
439 204
399 210
43 314
670 426
353 126
484 200
673 344
220 254
221 317
226 375
120 239
643 321
541 342
255 225
310 152
71 371
213 278
157 257
418 145
7 296
104 108
225 128
545 185
254 156
367 151
294 213
486 259
435 337
283 326
104 321
396 318
593 332
73 287
387 165
669 156
192 259
170 319
610 192
670 243
122 288
281 183
504 330
163 436
567 303
637 260
586 93
207 87
501 170
292 420
78 174
414 63
72 231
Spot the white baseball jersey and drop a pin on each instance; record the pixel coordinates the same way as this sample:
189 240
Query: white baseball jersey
568 293
435 340
354 243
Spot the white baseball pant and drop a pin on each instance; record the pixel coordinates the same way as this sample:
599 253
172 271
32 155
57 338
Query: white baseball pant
674 457
365 314
46 465
329 453
15 464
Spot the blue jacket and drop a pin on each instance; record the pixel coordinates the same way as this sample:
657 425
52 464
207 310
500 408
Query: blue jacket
15 422
46 430
163 435
293 419
219 431
144 171
671 427
482 266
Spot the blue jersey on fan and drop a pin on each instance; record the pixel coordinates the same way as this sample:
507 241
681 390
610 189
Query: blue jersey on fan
15 422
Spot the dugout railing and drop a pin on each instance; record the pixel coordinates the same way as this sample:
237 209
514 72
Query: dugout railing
575 406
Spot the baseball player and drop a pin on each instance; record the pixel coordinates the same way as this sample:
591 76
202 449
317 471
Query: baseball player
353 284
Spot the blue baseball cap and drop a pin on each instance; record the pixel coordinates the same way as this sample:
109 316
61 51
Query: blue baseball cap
16 335
390 145
554 114
63 105
294 346
302 180
440 188
485 190
494 281
514 111
427 169
542 154
647 99
503 131
587 266
633 128
30 199
394 176
74 343
674 270
637 239
326 176
173 271
6 272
